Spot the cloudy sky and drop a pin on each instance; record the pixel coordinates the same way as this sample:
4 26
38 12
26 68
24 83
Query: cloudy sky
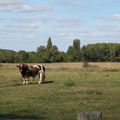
27 24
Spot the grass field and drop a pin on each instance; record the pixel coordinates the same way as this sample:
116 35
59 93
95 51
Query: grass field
69 89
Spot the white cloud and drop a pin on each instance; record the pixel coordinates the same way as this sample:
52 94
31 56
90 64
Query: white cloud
68 22
7 2
19 6
108 28
19 28
70 3
9 5
102 33
112 17
28 8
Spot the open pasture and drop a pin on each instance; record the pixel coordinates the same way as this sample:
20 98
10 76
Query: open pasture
69 89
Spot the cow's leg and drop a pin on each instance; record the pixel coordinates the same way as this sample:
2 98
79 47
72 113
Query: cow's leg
26 80
43 76
23 81
40 79
32 79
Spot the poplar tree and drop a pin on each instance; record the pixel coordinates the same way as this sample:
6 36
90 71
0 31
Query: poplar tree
49 43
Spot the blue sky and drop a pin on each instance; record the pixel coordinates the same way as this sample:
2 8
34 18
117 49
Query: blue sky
27 24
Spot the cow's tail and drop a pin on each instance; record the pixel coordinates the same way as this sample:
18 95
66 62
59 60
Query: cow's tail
43 67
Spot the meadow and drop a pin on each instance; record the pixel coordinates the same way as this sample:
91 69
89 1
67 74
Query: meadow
68 90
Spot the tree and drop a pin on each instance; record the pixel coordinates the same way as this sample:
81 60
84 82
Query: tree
101 52
73 52
76 45
52 52
49 43
22 56
55 54
83 54
7 56
32 57
41 55
98 52
69 54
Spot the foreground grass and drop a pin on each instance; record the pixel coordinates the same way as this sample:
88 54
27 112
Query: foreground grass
65 93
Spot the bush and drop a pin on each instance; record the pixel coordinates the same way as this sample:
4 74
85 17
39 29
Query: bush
85 64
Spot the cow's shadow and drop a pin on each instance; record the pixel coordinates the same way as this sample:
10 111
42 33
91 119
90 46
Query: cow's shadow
31 83
46 82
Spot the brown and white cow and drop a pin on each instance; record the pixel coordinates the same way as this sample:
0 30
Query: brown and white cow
32 71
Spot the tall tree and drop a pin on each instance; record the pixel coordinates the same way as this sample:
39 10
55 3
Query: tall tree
49 43
83 54
73 53
76 45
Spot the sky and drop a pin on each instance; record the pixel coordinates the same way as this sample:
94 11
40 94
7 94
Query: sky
27 24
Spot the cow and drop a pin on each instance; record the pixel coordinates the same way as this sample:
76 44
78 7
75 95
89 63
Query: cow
32 71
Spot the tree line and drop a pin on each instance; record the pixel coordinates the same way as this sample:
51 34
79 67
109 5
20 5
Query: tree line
99 52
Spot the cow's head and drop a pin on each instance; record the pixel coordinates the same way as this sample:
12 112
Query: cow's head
22 67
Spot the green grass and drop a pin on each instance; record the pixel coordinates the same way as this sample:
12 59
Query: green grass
65 93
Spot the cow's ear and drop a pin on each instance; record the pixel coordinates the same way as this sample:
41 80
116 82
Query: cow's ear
17 65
